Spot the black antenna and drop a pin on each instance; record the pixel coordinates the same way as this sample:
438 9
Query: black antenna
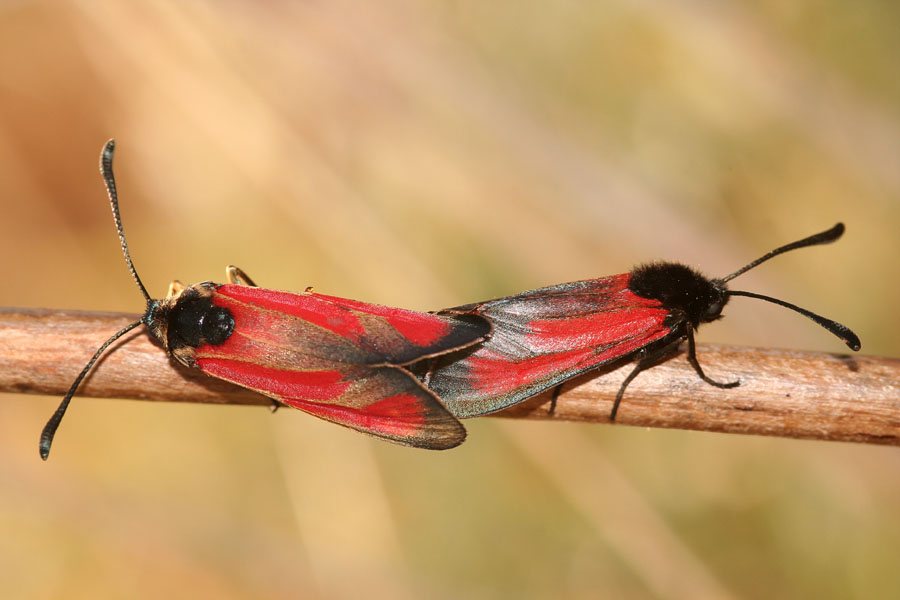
51 426
826 237
106 170
841 331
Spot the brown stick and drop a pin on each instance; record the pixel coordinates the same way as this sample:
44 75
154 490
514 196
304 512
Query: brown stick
782 393
42 351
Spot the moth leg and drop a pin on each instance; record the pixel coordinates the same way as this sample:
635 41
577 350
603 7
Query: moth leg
556 392
692 358
645 361
237 275
640 366
175 289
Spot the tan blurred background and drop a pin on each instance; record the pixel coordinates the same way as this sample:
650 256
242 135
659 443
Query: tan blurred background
428 154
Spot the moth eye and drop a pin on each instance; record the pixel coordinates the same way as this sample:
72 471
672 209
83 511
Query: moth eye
714 310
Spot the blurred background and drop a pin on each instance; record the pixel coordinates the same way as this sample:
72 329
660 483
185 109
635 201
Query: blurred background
425 155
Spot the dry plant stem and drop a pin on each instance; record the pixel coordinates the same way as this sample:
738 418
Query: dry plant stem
42 351
782 393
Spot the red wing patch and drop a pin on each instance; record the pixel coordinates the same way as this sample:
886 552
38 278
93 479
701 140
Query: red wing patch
386 402
422 329
542 338
277 383
307 307
340 360
387 335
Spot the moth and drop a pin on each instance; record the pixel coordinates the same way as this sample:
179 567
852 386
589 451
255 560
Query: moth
342 360
543 337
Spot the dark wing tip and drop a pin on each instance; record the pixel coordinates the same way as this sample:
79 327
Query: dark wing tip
451 435
465 331
477 328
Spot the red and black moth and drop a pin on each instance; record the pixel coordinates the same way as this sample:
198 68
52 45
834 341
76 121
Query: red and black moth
543 337
342 360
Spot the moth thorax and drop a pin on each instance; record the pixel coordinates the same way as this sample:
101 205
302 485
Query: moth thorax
189 320
197 321
680 288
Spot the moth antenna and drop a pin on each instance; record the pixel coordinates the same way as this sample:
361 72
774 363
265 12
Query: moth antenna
52 424
841 331
106 170
826 237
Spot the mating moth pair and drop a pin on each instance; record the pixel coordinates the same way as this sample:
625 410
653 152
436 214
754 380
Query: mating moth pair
407 376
